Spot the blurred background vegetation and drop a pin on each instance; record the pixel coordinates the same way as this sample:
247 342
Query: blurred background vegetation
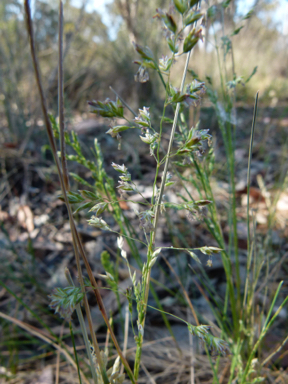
99 54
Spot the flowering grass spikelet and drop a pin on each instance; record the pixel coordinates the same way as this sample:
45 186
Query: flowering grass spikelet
143 118
120 242
142 75
119 168
64 300
108 108
146 220
194 256
98 223
108 276
149 138
165 63
114 132
99 208
216 345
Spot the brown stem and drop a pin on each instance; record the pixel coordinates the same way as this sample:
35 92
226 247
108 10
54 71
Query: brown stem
184 291
75 234
61 98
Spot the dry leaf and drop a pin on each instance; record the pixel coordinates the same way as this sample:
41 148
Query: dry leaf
25 218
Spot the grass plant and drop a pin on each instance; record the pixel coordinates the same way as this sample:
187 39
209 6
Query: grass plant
235 313
242 309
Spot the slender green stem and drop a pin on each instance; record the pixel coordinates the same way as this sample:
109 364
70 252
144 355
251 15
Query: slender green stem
249 249
125 200
234 215
159 142
266 327
249 170
123 102
75 352
219 62
128 237
160 75
157 213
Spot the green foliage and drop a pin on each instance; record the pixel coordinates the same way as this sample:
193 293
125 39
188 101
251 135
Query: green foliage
191 144
64 301
110 270
216 346
107 109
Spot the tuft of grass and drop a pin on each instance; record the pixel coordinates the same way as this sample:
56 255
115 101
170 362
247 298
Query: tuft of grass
188 147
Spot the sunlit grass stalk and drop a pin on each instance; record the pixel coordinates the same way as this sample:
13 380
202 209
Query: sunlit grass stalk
216 231
249 250
226 130
127 229
157 213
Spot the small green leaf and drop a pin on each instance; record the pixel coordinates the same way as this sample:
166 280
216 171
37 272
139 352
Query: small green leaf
209 79
167 19
226 3
144 52
89 195
73 197
192 17
193 73
79 179
168 120
108 108
55 126
118 128
249 14
107 264
202 203
252 74
193 2
180 5
191 40
211 12
237 31
169 183
83 206
170 23
173 45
